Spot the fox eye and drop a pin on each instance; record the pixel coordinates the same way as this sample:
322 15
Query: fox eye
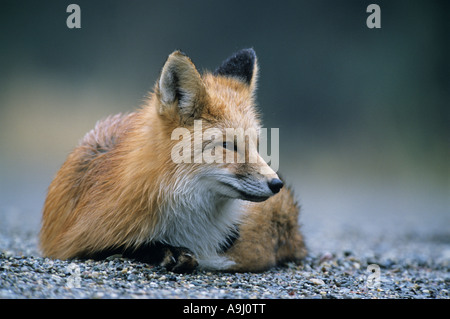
230 146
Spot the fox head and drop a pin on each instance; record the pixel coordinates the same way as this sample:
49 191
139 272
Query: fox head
215 112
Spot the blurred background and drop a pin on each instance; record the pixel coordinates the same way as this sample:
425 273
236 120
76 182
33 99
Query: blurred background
363 113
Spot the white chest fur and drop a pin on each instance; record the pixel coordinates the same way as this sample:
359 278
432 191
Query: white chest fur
200 221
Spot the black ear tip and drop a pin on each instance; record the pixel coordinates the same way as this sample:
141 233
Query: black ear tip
240 65
247 56
249 52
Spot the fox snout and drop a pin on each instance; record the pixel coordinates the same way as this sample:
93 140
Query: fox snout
275 184
258 191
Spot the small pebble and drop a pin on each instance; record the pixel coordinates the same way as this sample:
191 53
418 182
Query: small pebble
316 281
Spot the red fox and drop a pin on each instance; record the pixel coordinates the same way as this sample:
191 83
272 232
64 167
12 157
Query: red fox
120 191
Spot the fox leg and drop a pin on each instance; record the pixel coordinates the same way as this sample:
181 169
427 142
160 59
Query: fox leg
176 259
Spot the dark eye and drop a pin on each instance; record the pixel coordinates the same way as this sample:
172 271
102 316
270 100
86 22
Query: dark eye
230 146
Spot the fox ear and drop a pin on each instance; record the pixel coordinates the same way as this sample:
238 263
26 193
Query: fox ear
242 65
180 87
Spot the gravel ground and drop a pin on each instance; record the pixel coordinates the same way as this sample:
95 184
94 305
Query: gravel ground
342 274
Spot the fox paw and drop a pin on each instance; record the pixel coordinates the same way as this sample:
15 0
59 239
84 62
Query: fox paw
179 260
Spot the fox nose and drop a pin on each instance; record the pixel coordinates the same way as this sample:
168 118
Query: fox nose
275 185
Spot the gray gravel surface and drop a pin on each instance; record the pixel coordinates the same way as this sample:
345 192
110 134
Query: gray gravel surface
337 277
339 273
